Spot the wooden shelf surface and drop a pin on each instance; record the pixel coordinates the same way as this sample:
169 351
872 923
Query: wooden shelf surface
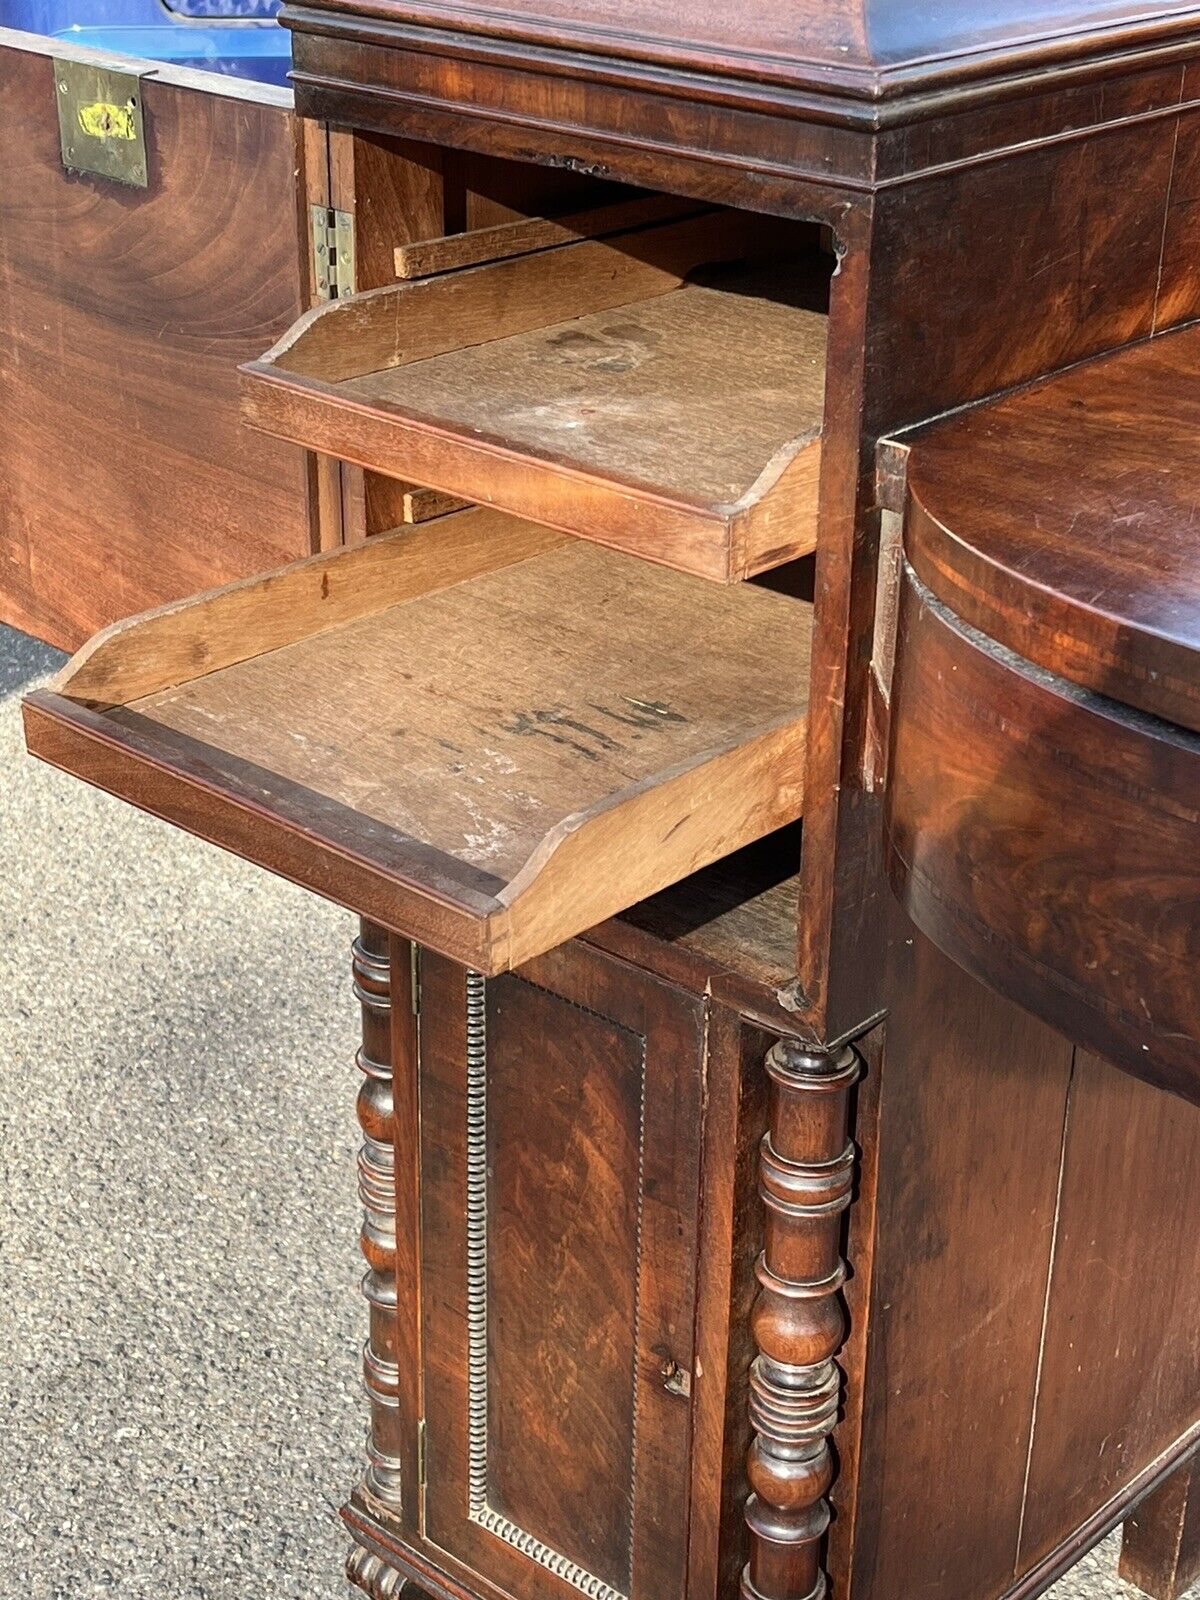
480 733
660 392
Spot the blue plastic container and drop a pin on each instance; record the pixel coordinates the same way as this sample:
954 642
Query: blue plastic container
235 37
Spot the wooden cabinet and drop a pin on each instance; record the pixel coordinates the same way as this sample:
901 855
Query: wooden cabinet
576 1142
743 1245
129 478
560 1151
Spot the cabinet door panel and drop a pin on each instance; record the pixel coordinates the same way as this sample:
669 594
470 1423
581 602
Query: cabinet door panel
560 1149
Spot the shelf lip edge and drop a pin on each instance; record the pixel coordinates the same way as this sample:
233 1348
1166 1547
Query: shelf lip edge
217 803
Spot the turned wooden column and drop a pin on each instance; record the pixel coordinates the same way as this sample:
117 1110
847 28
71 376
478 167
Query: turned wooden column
806 1171
377 1189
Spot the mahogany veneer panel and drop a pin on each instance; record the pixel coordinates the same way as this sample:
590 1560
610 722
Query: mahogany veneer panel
560 1148
972 1098
1178 292
510 758
590 387
128 477
1046 838
584 1257
1061 521
1120 1374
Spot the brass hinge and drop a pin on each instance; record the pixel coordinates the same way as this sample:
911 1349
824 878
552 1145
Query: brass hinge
422 1457
333 252
414 986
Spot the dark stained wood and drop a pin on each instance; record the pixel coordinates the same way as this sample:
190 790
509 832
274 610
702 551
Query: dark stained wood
855 47
1061 521
781 165
982 275
404 994
1177 296
1120 1319
806 1176
970 280
645 121
562 1277
560 1272
1160 1545
858 1246
375 1576
838 972
1009 196
1046 839
129 478
372 966
734 1120
1002 271
972 1104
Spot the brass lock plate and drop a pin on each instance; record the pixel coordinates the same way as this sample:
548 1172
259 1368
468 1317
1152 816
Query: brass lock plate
100 122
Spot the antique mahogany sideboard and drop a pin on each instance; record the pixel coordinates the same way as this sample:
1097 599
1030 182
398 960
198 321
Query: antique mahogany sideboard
752 700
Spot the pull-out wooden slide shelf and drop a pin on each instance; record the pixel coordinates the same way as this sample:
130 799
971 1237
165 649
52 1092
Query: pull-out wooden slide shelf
475 731
659 391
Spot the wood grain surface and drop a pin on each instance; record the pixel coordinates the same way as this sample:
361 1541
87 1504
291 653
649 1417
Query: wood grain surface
631 392
1062 520
576 386
972 1102
457 740
586 1223
1046 839
1120 1373
524 235
129 477
503 734
866 48
1160 1544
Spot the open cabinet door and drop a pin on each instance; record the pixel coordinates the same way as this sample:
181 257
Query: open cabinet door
129 479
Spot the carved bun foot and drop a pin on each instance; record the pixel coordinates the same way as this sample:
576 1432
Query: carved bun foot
373 1576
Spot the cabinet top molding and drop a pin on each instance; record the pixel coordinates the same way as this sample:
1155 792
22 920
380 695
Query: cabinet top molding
872 51
824 90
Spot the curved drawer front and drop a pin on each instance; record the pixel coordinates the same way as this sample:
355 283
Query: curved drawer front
1048 840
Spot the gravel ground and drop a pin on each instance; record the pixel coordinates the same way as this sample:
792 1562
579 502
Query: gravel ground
179 1315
